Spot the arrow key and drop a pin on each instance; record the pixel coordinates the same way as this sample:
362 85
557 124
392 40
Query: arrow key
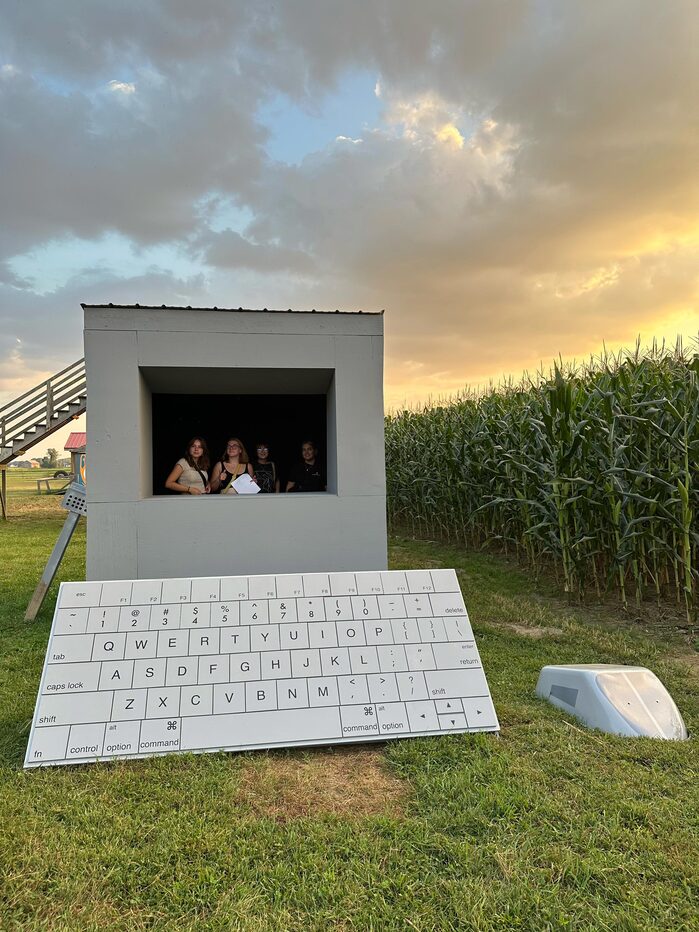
421 716
480 712
457 721
448 706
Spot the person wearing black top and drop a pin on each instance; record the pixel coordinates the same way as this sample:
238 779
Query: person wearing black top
308 475
265 471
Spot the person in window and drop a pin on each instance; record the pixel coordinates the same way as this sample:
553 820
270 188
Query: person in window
233 463
308 475
190 473
265 474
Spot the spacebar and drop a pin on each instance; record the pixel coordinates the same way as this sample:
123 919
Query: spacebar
259 729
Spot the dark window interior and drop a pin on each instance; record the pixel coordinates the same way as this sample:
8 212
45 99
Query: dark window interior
284 421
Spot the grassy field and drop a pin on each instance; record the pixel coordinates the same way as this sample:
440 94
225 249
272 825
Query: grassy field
550 826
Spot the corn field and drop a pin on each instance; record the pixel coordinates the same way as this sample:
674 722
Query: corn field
591 470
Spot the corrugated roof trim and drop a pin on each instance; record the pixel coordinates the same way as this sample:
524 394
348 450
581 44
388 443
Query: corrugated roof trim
76 441
243 310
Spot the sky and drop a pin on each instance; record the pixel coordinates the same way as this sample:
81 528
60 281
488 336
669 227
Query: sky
511 180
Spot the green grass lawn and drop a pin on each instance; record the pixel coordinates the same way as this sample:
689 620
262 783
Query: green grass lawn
550 826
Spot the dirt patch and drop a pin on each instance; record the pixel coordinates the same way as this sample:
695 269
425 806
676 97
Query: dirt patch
535 631
349 782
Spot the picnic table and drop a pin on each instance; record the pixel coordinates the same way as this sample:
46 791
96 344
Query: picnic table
64 481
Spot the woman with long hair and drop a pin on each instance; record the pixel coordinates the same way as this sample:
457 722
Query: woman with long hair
190 473
233 463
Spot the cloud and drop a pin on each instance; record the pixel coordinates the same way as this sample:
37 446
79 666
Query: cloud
531 187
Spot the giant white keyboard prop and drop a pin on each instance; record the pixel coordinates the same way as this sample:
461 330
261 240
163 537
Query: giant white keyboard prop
145 667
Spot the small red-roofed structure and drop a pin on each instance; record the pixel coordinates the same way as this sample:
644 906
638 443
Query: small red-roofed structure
75 445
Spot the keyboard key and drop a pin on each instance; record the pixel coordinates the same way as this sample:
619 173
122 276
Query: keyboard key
350 633
260 729
365 607
392 658
159 736
206 589
323 691
47 744
282 610
310 609
262 587
323 634
260 696
77 594
292 694
378 633
447 706
369 583
121 739
364 660
343 584
163 703
420 657
456 656
391 606
229 698
176 590
420 581
74 709
70 648
85 742
116 674
141 646
383 687
452 684
394 582
418 606
71 678
405 631
129 705
293 636
275 665
305 663
457 721
264 637
195 615
411 686
214 669
181 671
431 629
422 716
445 581
134 617
244 667
353 689
393 719
173 643
359 721
196 700
254 613
103 619
146 591
149 673
165 616
236 640
204 642
71 621
457 629
234 588
117 592
316 584
447 603
338 609
290 587
225 614
480 712
334 661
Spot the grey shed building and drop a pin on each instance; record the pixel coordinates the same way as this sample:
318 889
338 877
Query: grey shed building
157 376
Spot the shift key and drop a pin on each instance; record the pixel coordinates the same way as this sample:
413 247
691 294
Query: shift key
456 684
74 708
71 648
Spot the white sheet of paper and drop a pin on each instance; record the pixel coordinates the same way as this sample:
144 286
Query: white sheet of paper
245 486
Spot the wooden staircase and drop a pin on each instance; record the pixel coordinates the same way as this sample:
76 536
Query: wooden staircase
39 412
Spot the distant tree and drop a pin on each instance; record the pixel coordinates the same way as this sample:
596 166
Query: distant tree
52 456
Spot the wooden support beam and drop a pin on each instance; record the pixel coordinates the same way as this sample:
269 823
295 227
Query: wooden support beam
52 565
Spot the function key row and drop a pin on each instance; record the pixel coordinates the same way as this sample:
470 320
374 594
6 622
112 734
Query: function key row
248 588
